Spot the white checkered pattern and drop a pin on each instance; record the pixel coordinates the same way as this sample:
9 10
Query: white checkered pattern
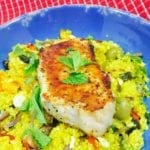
10 9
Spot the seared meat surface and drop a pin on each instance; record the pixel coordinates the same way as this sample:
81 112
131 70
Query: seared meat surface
89 106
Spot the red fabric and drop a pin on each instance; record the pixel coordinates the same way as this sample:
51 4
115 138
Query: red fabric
10 9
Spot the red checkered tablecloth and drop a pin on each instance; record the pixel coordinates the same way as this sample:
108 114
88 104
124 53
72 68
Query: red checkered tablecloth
10 9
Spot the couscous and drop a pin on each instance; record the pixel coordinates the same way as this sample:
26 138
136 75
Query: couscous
25 125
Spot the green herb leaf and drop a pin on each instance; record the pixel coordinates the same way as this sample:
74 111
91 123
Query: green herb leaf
84 62
66 61
34 105
74 60
38 44
30 79
38 136
76 79
33 64
41 44
78 60
18 49
25 106
70 49
41 139
37 97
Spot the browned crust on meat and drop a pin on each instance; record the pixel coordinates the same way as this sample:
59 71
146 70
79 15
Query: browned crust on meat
92 95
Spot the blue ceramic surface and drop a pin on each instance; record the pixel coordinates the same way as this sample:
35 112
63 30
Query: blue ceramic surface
130 32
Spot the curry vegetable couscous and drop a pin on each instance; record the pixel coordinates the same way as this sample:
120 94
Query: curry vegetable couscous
25 124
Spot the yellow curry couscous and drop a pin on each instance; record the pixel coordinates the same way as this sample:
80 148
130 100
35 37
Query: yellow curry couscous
25 125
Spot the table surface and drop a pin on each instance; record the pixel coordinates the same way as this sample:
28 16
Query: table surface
10 9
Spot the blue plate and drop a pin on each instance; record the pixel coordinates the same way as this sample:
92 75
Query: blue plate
129 31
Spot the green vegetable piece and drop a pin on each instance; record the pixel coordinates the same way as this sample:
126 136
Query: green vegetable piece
25 106
30 79
37 97
24 58
123 109
33 64
41 139
18 49
34 105
41 44
115 129
131 129
27 57
126 76
76 79
112 54
38 136
38 44
70 49
136 59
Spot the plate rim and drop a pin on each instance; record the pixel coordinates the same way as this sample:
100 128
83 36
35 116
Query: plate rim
139 19
111 10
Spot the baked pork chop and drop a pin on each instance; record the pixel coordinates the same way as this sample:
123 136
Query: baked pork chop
88 106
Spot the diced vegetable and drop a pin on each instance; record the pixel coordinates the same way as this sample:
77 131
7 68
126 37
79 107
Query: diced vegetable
14 121
135 59
103 142
111 54
29 143
4 133
131 129
92 140
135 115
24 58
123 109
126 76
3 115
